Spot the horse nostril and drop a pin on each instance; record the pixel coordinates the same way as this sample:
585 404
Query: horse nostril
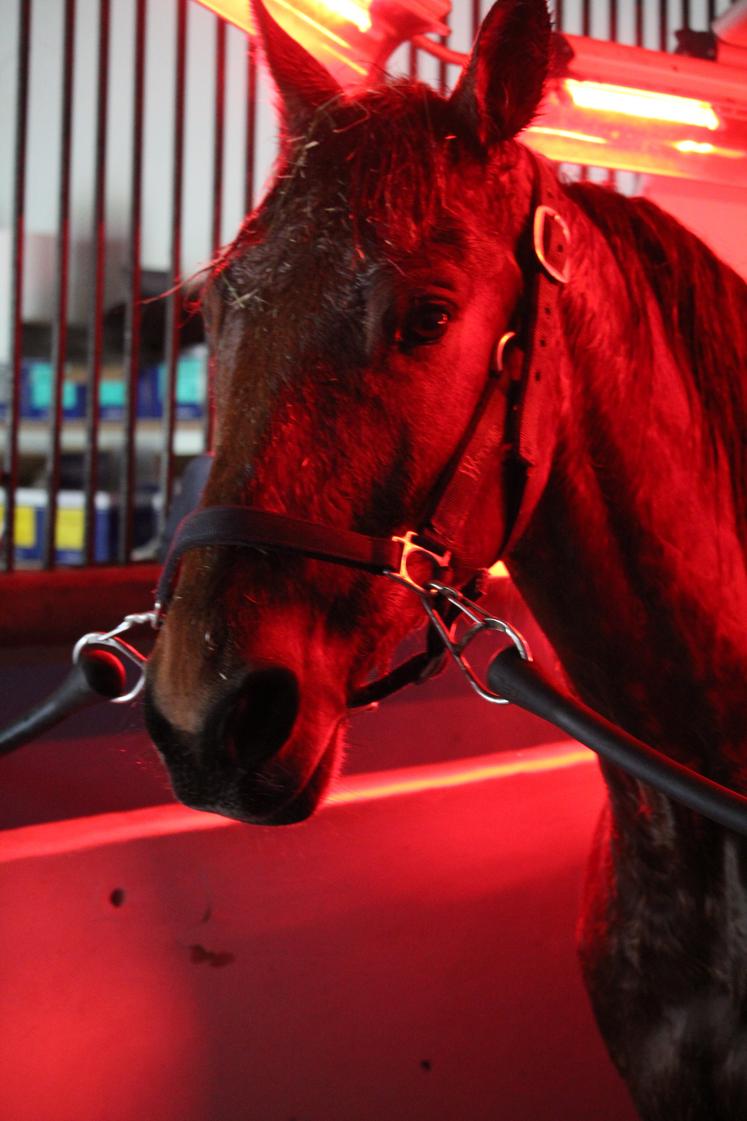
262 715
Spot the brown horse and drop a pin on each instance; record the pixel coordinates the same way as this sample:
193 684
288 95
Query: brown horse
354 323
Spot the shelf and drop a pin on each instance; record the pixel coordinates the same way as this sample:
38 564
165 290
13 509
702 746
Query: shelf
189 436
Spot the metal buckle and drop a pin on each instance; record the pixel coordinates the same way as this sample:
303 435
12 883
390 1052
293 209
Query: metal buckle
553 257
110 640
410 544
481 621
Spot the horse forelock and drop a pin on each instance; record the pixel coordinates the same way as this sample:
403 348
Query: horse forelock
374 170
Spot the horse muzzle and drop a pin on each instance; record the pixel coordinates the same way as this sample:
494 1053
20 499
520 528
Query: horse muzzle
255 756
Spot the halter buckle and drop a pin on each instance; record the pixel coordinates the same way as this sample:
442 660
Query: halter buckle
552 239
411 543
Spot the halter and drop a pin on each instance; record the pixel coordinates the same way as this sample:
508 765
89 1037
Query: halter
502 439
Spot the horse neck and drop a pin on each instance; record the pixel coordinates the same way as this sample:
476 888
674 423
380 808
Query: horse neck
633 563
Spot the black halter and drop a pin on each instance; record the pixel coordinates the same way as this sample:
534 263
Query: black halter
502 439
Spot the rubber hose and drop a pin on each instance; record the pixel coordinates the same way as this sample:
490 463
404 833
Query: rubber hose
521 682
97 676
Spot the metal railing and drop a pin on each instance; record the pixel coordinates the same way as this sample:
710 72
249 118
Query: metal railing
163 133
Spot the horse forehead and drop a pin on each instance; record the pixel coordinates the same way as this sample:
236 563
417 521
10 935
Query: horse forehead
311 247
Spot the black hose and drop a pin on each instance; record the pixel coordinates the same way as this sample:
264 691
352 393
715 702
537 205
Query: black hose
521 682
97 676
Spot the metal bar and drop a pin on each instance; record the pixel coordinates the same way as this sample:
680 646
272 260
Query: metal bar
559 15
412 60
219 132
585 30
251 127
443 81
59 324
639 23
613 30
475 17
131 370
685 13
95 327
663 26
174 298
218 144
13 402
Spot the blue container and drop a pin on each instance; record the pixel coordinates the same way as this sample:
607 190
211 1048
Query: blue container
191 387
36 393
191 391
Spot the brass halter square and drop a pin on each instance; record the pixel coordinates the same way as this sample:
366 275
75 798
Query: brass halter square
411 544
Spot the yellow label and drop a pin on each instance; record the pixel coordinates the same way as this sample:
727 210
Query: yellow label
69 529
25 527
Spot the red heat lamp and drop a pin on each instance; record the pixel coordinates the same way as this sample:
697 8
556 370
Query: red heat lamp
352 38
613 106
647 111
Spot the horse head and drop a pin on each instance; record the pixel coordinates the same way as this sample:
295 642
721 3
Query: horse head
353 323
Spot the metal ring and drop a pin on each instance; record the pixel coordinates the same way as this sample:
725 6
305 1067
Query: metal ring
109 640
500 350
481 621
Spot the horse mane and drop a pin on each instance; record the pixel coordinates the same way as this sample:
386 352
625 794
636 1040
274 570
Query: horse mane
397 160
702 302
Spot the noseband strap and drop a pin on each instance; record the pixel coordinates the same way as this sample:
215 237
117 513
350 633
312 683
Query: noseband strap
242 526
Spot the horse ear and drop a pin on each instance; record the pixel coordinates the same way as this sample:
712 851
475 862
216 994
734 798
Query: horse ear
501 86
302 83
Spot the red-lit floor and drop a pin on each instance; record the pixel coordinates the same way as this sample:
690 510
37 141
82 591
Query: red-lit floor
406 955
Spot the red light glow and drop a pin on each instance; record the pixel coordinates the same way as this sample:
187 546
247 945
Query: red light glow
465 772
704 148
645 111
645 104
356 14
84 834
344 34
567 134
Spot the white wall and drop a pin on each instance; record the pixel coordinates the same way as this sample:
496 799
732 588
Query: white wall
406 957
717 214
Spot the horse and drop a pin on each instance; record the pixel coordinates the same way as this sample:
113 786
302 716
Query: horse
354 322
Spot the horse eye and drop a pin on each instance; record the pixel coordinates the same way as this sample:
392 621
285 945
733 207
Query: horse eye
425 322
